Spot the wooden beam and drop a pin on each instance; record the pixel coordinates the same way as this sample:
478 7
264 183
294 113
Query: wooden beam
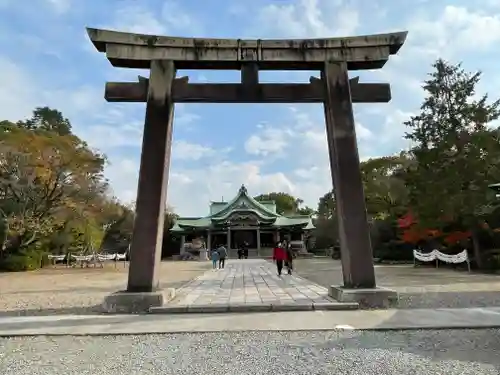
184 92
250 74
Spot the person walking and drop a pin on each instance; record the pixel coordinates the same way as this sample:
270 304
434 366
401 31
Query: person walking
215 258
289 257
279 256
245 250
222 256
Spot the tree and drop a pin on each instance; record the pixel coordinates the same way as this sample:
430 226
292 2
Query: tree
53 195
286 204
44 179
326 222
306 211
457 154
386 195
48 119
119 228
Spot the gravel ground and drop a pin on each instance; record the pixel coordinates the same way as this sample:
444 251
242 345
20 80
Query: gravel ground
435 300
419 288
255 353
63 290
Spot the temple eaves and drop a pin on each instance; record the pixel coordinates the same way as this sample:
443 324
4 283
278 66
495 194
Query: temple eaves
128 50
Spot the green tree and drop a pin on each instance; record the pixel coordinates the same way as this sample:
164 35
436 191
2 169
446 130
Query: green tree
44 178
286 204
386 195
326 223
306 211
456 152
45 118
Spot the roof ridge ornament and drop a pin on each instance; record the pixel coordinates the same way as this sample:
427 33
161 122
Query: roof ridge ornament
243 189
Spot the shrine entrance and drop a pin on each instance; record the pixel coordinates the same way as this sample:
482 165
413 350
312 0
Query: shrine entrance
331 57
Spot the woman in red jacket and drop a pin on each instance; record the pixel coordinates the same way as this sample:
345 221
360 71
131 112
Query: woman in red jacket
279 256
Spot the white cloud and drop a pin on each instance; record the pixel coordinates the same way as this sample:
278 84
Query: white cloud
184 150
123 175
191 191
267 142
455 29
137 19
307 18
60 6
167 19
17 97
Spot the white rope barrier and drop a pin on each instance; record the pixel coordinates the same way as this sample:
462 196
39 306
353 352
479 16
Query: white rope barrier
89 258
435 255
57 258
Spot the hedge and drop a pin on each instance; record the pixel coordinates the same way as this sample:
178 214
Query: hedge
24 261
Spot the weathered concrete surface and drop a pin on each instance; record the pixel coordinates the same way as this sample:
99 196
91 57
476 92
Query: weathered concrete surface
284 321
381 298
130 50
146 244
184 92
136 303
250 285
353 229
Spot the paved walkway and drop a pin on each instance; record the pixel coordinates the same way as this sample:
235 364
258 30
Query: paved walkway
473 318
250 285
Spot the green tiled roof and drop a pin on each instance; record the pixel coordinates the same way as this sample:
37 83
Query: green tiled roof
284 221
242 198
192 222
230 212
242 203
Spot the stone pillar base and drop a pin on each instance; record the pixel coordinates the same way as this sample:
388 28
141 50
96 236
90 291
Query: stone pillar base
203 255
124 302
372 298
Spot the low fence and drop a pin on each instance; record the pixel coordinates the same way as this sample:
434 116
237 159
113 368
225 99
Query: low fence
436 255
89 258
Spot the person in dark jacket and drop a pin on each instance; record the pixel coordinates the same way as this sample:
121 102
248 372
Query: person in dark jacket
279 256
245 250
222 256
289 257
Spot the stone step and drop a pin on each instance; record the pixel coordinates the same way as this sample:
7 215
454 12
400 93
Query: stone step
253 253
253 307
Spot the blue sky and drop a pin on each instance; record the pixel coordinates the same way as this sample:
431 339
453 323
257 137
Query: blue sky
47 59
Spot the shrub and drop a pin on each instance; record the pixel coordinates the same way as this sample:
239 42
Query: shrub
25 260
19 262
394 251
492 260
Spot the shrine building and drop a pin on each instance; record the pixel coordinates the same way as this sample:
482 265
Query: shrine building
243 219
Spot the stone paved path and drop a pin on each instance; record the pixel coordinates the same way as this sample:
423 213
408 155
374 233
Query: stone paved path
250 285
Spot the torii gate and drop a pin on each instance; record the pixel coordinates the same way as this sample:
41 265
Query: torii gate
333 57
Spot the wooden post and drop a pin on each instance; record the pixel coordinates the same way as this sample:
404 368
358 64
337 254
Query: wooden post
145 250
355 244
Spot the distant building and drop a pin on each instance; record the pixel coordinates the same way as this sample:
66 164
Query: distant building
243 220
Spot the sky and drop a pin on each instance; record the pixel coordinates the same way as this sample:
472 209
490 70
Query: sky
46 59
